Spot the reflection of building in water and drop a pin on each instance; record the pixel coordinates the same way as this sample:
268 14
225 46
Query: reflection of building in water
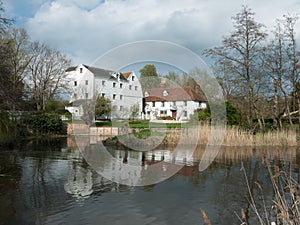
79 182
140 158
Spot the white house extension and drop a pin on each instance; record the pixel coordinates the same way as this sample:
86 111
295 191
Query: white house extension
86 82
178 103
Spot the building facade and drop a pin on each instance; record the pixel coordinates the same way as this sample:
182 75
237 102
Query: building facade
176 103
87 83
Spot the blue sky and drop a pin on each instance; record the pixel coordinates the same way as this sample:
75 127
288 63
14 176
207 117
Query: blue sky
86 29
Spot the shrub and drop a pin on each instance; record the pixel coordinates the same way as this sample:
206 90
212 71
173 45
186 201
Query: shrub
45 123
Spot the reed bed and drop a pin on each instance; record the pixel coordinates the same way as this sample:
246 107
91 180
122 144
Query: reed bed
237 137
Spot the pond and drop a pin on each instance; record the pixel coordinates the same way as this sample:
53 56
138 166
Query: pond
49 182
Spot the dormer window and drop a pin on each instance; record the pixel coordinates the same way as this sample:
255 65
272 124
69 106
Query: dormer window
165 93
146 94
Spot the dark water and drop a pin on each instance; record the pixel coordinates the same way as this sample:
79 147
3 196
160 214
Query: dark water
48 182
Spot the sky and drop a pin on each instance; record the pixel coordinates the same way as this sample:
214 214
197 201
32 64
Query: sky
87 29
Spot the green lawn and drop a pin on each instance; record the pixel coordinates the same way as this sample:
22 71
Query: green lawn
140 124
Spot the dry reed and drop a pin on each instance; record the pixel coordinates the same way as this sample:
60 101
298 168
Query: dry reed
286 201
232 136
237 137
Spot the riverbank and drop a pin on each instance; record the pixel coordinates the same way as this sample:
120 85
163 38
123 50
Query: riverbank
205 134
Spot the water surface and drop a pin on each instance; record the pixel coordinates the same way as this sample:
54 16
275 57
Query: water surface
48 182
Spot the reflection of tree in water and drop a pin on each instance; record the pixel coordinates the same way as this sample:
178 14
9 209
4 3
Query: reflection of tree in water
10 175
30 182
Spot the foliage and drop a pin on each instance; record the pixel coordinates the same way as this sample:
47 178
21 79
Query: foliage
44 123
166 118
233 117
102 106
201 115
5 126
149 78
142 134
134 111
56 106
204 114
148 70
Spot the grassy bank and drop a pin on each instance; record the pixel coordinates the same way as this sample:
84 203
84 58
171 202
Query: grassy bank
231 136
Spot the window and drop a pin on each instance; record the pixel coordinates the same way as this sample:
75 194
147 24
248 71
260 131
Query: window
121 97
103 83
121 85
135 88
132 78
130 86
80 70
163 104
185 103
86 95
86 82
114 85
103 94
114 96
163 112
185 113
153 104
174 103
75 83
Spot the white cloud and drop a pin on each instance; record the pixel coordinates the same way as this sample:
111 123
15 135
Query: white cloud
86 29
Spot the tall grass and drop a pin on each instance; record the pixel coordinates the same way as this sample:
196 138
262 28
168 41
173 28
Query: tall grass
285 205
236 137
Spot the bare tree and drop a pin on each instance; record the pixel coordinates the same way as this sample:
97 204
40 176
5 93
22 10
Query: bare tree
241 50
275 63
46 73
15 45
4 22
294 56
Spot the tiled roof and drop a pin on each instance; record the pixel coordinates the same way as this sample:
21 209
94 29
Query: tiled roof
72 68
127 74
101 72
173 94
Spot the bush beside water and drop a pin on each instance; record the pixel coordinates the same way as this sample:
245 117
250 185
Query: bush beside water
16 127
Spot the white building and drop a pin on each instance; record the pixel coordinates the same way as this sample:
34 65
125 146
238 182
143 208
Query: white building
178 103
86 82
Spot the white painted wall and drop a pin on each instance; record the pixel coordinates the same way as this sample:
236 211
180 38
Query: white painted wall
122 93
184 109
